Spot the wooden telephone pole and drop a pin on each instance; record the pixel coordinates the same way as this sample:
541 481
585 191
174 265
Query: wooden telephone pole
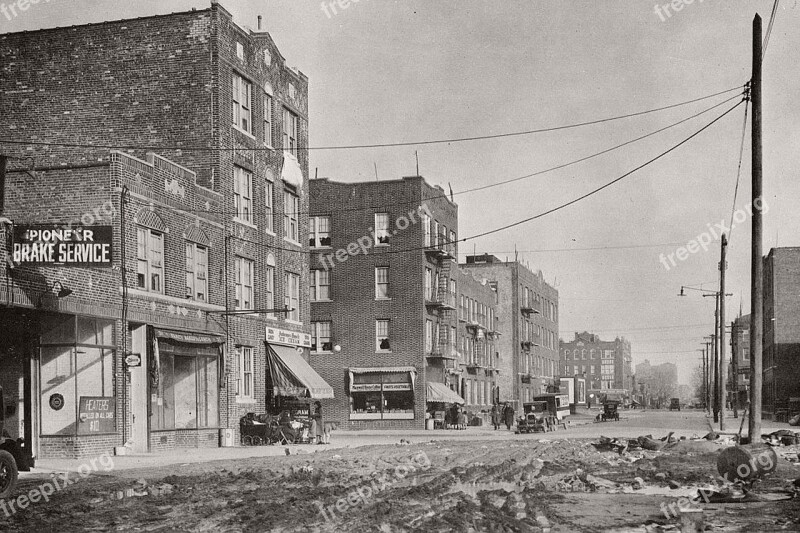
756 264
723 366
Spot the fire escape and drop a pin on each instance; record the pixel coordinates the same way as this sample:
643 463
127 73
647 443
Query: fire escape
442 302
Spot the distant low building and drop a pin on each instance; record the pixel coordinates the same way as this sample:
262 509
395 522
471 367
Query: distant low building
605 364
739 369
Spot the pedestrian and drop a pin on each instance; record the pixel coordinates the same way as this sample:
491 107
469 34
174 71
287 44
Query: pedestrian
317 424
508 415
496 416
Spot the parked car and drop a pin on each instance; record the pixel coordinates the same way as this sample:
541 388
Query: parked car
675 404
9 453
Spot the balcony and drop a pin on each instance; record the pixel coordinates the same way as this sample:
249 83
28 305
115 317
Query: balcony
443 302
442 352
531 308
441 248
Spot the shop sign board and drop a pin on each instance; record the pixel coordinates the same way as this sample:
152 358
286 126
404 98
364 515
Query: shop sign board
287 337
58 244
96 415
133 360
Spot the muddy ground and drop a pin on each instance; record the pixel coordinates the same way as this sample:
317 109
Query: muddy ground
535 485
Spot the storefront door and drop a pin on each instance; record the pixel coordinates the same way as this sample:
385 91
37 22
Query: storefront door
139 438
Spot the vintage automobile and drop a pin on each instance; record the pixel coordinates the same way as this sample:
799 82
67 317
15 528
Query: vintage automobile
610 411
9 453
535 418
675 404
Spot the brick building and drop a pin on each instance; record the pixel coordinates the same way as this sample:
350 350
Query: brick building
383 292
213 225
527 311
781 352
739 368
606 364
477 366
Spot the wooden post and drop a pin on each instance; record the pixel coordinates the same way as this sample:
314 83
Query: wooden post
723 367
756 260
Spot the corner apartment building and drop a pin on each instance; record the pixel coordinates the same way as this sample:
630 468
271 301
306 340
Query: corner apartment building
738 384
606 364
172 331
527 310
383 297
781 352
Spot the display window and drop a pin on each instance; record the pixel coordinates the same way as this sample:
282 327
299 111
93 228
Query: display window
76 366
382 396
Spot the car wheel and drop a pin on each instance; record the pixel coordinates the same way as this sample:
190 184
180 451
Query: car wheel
8 474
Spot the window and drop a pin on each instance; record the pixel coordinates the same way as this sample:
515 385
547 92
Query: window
243 194
426 225
244 284
451 246
240 51
268 119
382 228
150 260
267 58
382 336
241 103
76 357
381 282
269 283
291 210
244 374
291 296
320 285
429 285
289 131
428 336
269 206
321 337
319 235
196 272
385 396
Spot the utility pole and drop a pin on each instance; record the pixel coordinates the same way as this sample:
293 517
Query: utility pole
723 367
735 370
708 378
715 340
756 264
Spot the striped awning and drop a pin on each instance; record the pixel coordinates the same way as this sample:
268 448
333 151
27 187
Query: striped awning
291 375
441 393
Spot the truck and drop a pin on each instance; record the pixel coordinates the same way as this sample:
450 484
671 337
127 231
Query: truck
10 453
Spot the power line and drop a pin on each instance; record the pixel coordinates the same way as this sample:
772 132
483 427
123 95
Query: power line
769 28
595 191
377 145
652 328
739 167
497 184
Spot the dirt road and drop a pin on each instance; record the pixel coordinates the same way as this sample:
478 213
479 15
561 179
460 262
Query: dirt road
538 483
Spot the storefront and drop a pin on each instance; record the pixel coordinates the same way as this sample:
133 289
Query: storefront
382 393
289 376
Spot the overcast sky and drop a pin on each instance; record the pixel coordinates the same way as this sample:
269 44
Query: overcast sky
384 71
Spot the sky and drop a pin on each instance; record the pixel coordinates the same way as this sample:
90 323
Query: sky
386 71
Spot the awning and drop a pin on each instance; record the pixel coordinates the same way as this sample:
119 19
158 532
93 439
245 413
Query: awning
186 337
441 393
293 376
382 369
291 173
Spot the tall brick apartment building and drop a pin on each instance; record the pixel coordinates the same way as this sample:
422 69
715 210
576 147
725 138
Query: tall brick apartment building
207 248
607 364
383 298
781 333
527 311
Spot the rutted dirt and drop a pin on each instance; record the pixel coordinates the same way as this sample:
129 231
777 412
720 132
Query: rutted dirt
526 486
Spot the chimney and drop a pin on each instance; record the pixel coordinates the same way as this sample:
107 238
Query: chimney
258 24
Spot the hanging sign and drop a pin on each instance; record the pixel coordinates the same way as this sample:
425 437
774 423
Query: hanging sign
58 244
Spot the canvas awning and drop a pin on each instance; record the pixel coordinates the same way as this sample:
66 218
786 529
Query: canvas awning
186 337
441 393
293 376
291 173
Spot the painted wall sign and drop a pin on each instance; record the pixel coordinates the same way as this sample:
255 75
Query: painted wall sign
96 414
288 338
58 244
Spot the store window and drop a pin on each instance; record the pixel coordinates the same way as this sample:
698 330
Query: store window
387 396
185 394
76 362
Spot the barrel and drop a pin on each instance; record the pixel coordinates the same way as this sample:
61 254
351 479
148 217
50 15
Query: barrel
746 462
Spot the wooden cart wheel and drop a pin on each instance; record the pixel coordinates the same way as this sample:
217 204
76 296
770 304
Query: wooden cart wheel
257 441
247 440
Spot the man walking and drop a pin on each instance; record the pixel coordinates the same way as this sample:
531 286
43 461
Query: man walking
508 415
496 416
